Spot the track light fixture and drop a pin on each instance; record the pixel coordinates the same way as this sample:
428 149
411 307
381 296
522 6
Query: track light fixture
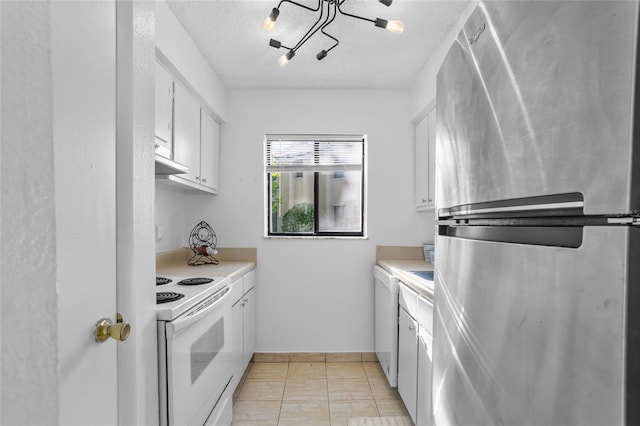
328 9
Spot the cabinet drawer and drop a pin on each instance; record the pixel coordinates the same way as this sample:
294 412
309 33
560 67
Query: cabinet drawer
236 290
249 280
425 314
408 299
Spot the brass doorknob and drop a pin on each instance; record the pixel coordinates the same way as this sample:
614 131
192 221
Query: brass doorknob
105 328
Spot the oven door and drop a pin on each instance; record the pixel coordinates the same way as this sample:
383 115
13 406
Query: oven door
199 360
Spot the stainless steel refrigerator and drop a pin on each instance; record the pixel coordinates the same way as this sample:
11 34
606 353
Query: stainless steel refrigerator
537 298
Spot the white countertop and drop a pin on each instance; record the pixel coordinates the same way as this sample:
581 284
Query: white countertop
173 265
228 269
400 268
233 263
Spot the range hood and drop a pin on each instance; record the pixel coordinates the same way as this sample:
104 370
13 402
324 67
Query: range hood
165 166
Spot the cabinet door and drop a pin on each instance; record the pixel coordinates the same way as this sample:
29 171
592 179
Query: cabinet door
423 409
238 340
425 161
164 111
421 157
431 162
209 151
187 133
249 326
408 362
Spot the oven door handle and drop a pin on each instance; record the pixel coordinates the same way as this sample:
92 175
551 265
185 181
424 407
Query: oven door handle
200 311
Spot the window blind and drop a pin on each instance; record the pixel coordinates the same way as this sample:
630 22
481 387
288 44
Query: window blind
292 153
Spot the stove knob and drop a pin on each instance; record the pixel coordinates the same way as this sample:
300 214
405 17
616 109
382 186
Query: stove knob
105 328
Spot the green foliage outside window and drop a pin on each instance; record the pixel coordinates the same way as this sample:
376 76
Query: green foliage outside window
299 218
275 193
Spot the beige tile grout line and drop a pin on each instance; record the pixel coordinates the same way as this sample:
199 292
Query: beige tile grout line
326 376
284 388
371 389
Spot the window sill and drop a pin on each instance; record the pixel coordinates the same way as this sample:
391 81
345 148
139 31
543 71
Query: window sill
313 237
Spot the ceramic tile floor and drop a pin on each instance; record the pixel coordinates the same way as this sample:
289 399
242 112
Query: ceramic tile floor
313 394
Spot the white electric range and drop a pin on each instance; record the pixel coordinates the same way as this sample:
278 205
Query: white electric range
194 350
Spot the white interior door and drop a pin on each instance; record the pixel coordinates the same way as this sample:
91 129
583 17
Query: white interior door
84 87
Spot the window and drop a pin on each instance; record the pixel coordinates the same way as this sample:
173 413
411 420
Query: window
315 185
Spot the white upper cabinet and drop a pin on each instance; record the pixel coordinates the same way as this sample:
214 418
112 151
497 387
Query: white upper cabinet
196 142
209 151
164 112
421 161
431 163
187 133
425 160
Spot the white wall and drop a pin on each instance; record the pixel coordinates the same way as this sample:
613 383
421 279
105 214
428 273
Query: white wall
29 293
169 215
314 295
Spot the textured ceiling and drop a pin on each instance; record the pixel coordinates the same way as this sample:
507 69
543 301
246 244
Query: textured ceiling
231 36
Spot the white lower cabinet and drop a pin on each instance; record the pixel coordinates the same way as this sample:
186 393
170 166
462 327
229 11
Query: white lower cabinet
243 313
237 325
249 322
415 327
425 353
408 361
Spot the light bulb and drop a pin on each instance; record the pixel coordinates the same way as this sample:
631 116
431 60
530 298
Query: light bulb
269 23
395 26
283 61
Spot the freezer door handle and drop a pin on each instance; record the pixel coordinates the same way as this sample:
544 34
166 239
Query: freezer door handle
627 220
570 204
554 236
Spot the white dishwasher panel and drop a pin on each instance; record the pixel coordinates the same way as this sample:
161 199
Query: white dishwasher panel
386 323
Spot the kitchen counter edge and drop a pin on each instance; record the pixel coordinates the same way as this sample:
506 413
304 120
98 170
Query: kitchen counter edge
400 268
